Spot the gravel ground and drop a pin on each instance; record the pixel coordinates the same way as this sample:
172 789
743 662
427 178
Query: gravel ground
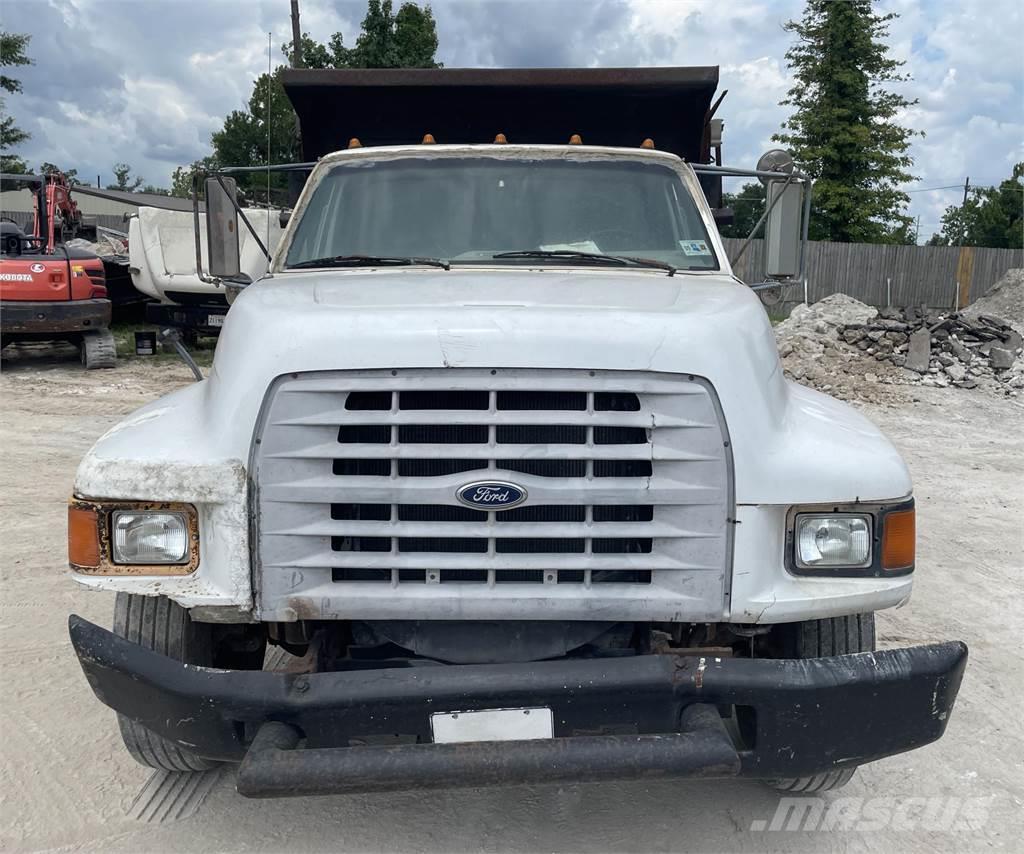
66 783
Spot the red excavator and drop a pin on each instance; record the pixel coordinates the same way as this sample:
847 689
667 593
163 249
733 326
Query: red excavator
48 291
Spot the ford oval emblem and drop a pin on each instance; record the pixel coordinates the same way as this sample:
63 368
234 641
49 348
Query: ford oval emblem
491 495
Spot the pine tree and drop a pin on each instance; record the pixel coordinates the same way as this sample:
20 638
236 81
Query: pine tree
844 130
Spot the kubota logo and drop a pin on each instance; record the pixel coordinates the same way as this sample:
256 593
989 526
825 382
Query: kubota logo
15 277
38 268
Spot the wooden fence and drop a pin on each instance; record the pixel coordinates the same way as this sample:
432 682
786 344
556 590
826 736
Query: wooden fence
882 274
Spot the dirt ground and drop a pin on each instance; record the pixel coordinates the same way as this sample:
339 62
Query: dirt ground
67 784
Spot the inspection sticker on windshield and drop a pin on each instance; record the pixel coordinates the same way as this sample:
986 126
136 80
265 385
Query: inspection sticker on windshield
694 247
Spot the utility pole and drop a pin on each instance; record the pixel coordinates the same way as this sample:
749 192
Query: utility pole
917 230
963 210
296 180
960 242
296 36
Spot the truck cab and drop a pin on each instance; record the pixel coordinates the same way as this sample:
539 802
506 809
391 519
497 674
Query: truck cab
502 453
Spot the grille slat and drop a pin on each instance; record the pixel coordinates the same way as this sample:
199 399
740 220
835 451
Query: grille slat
626 475
334 417
483 451
430 560
519 530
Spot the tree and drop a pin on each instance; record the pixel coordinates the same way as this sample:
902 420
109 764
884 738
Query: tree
12 53
181 179
991 216
124 181
747 206
314 54
243 139
155 190
46 168
407 39
844 131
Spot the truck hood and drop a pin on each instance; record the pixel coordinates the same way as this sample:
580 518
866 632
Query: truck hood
790 444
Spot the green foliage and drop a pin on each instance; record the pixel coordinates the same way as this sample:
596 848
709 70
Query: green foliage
747 206
314 54
12 53
407 39
992 216
155 190
181 179
843 130
243 140
45 168
123 178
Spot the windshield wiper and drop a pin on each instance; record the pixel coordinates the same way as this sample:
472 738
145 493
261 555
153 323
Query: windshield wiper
369 261
588 257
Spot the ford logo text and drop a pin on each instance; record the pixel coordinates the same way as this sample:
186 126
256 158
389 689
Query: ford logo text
491 495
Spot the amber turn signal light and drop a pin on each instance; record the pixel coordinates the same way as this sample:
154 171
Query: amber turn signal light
83 536
899 537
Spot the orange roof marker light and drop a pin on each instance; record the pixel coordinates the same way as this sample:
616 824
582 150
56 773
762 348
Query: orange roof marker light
500 139
647 143
428 139
575 139
355 143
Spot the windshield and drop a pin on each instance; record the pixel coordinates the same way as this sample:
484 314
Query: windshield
469 209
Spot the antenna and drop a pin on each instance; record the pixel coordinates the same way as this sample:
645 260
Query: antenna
269 96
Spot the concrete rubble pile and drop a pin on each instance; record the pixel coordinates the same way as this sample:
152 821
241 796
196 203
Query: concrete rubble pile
855 352
949 349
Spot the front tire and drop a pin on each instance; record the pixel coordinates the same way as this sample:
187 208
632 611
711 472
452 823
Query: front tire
817 639
165 627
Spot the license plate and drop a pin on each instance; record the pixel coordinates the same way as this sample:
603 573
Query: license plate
215 320
492 725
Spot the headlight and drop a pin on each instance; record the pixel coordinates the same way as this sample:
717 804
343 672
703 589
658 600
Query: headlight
148 538
833 540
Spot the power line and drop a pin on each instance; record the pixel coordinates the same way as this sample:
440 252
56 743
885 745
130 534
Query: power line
932 189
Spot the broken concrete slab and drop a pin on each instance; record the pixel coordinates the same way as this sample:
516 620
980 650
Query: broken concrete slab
1002 359
919 354
956 371
959 349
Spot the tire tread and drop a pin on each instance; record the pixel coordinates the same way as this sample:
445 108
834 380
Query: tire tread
163 626
818 639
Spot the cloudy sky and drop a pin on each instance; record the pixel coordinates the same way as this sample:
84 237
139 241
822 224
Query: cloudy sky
145 82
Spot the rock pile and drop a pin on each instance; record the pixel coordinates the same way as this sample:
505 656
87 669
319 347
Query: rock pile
950 349
855 352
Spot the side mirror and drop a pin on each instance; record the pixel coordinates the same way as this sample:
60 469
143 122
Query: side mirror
783 232
283 218
222 228
723 216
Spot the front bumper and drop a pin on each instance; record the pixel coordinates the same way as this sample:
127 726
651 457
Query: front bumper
53 317
653 716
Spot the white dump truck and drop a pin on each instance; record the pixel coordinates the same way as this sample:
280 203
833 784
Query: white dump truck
502 453
167 267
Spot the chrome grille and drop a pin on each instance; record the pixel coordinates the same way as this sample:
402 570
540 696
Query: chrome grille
356 475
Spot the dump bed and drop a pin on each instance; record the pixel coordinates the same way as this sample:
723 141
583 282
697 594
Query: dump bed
605 106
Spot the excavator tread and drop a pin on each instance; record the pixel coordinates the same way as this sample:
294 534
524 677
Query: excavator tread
98 349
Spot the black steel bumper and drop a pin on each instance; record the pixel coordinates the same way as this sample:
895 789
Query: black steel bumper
654 716
55 317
